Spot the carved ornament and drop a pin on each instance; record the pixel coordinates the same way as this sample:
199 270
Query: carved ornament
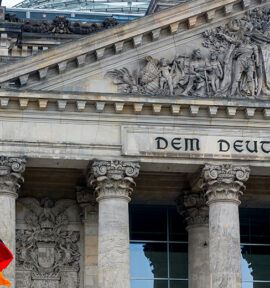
47 253
113 179
11 169
224 182
233 61
192 206
61 25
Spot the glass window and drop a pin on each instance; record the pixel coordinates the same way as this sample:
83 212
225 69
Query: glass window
256 285
158 248
179 260
148 222
255 262
177 228
148 260
149 284
178 284
255 226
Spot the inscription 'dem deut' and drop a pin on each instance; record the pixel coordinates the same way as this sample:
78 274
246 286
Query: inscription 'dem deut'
223 145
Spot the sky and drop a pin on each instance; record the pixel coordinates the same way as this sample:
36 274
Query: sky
10 3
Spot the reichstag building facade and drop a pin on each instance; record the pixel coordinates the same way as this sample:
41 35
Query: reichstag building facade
137 155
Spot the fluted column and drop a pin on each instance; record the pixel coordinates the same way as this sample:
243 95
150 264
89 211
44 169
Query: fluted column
195 211
11 170
113 182
224 184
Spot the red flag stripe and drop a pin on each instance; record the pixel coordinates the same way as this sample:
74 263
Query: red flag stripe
5 256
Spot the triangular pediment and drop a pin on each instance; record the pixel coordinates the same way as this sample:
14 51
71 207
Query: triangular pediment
203 48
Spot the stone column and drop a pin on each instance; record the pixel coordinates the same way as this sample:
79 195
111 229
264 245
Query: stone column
86 200
224 184
11 170
195 211
113 182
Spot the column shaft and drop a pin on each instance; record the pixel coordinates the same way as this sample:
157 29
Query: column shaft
225 259
195 211
113 248
224 184
113 181
10 179
198 256
7 232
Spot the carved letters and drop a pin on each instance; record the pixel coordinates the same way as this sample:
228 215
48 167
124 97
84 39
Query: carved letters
233 62
47 254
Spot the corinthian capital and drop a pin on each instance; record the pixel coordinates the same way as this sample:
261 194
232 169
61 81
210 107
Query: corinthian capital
113 179
11 170
224 182
192 206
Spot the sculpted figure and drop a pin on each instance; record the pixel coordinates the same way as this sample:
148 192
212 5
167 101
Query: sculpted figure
246 59
180 72
197 75
215 72
165 75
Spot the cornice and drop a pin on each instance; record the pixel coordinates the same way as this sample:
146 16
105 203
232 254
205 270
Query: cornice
136 104
82 50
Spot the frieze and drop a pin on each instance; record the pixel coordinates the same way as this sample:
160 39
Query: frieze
47 253
233 61
181 142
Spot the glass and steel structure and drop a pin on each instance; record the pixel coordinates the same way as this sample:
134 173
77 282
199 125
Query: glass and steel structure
112 6
159 247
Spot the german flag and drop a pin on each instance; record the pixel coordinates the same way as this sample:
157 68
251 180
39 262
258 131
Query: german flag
5 258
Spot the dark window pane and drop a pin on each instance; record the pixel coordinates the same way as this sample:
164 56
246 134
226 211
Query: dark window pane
255 225
255 263
178 261
256 285
148 222
148 260
178 284
149 284
177 228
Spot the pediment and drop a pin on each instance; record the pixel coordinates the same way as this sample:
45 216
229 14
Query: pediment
201 48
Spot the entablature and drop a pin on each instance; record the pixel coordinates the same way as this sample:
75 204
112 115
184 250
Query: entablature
131 104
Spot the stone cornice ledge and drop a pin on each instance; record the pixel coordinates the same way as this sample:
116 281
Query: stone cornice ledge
159 105
134 30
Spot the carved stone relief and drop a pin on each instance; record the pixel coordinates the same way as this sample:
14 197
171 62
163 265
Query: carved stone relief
233 61
47 253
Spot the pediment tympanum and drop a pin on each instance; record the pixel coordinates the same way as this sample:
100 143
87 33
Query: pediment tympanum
230 60
202 48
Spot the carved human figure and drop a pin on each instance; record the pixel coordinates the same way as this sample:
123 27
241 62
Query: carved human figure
214 72
180 72
246 61
197 74
165 75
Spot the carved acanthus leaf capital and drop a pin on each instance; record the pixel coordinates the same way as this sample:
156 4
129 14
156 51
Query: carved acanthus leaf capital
224 182
112 179
192 206
11 169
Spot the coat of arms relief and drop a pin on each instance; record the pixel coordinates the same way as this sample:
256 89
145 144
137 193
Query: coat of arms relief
47 253
232 60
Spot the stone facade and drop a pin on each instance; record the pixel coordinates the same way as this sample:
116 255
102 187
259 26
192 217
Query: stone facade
175 101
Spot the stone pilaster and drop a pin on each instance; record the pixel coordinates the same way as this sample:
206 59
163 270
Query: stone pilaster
113 182
86 200
192 206
11 170
224 184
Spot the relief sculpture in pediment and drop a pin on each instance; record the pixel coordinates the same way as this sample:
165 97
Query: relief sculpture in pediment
47 253
233 61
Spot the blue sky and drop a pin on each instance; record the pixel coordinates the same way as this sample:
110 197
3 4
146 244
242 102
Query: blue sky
10 3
